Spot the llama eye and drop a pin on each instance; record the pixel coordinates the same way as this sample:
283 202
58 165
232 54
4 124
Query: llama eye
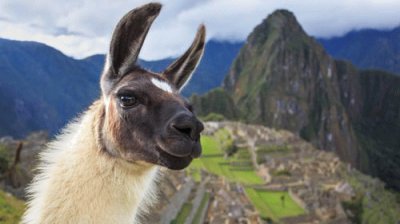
127 101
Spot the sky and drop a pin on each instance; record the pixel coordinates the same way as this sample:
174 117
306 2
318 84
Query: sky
80 28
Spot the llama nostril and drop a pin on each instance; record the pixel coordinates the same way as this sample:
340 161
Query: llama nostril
185 130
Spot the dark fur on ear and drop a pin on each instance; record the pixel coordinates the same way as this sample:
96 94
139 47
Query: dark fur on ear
180 71
126 42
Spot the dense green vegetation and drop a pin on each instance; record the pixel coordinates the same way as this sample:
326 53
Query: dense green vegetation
5 158
378 126
355 207
373 203
213 117
216 101
11 209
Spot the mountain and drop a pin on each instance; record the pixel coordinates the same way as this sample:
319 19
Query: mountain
42 89
283 78
368 48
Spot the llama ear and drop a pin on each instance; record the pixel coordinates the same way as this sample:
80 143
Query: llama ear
128 38
181 70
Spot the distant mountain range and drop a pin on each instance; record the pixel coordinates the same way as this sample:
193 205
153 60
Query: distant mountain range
283 78
368 48
42 89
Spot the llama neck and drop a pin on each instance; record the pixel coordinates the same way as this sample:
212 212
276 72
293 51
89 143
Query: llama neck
80 183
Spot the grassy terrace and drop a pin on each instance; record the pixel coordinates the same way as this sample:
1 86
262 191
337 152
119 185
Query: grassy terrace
183 214
238 168
204 201
270 204
187 208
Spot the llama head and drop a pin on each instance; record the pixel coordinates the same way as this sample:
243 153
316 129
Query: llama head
145 119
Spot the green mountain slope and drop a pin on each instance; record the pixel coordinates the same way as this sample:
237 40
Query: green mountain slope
11 208
372 100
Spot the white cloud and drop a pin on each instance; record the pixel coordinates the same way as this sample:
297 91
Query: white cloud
83 27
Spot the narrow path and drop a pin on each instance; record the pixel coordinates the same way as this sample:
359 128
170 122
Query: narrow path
197 200
176 202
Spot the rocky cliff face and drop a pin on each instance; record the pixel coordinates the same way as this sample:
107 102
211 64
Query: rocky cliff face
371 99
283 78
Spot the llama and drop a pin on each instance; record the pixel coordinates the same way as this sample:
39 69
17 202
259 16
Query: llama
102 168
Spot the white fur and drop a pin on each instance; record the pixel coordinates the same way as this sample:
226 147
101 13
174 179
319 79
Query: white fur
106 102
162 85
107 64
77 183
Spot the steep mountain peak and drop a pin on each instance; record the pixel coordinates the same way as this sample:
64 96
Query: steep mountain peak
283 78
278 45
284 19
280 23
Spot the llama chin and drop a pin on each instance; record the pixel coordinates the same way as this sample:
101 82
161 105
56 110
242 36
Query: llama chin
103 167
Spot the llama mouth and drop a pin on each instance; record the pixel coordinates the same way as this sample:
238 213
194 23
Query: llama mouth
181 149
173 162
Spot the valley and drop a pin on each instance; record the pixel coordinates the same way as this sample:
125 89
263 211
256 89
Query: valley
251 174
